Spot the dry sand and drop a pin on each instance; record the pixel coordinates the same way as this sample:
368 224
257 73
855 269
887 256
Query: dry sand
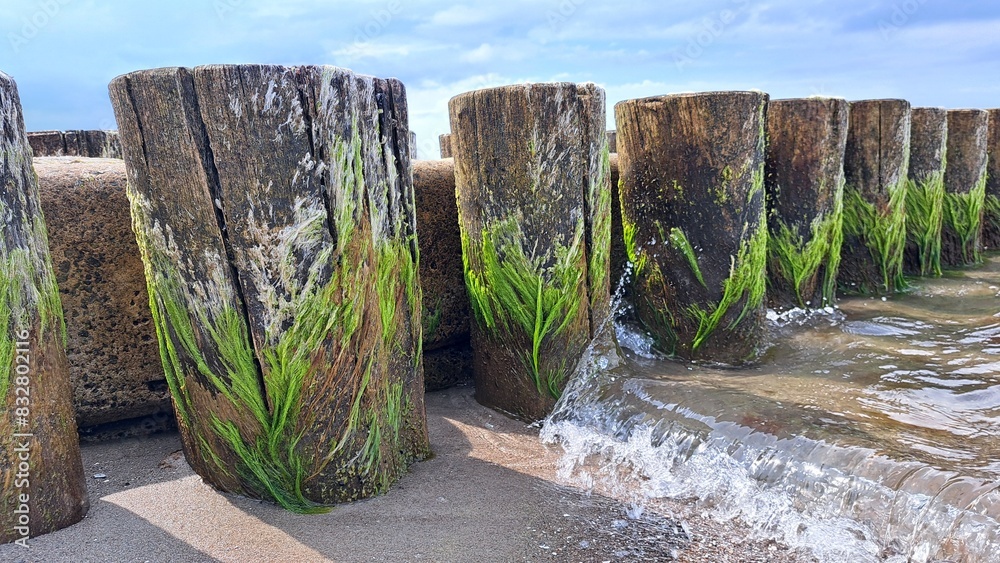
490 493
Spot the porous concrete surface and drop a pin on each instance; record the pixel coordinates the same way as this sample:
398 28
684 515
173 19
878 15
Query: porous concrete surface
111 343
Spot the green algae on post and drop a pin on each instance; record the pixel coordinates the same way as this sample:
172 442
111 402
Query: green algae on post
798 261
963 215
925 191
876 164
965 187
805 199
39 422
991 207
517 297
883 233
924 220
534 209
696 235
286 300
991 218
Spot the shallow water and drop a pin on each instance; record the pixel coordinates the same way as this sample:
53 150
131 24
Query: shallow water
867 433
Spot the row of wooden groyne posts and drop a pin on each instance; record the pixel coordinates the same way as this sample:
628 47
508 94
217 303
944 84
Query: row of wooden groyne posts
274 210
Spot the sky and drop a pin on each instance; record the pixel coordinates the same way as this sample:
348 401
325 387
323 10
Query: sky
63 53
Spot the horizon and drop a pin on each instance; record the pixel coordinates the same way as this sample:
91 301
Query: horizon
63 53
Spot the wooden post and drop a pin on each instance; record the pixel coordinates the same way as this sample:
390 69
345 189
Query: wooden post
40 465
965 187
273 207
613 141
102 144
925 191
76 143
532 176
805 189
692 194
991 206
876 163
47 143
445 142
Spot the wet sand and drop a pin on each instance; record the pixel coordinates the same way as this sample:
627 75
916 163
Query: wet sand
490 493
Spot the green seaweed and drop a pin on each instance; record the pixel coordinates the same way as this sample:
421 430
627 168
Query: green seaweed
680 243
515 297
431 320
747 280
797 261
883 232
636 258
963 215
991 211
924 220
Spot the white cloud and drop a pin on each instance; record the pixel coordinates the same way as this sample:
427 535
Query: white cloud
380 50
458 16
483 53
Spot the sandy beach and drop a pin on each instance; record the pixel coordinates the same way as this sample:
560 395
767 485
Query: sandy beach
490 493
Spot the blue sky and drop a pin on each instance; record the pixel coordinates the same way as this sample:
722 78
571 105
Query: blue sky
63 53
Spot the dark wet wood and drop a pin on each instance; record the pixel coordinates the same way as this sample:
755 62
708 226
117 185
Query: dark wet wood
533 155
39 446
693 162
928 142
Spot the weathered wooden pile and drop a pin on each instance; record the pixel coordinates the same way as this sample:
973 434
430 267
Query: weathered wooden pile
302 273
40 466
90 144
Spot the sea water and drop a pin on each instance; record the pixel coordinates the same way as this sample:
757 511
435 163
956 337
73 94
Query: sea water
869 432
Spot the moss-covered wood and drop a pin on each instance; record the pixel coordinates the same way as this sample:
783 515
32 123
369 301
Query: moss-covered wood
533 183
692 197
805 187
991 203
965 187
876 163
925 191
41 472
274 210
